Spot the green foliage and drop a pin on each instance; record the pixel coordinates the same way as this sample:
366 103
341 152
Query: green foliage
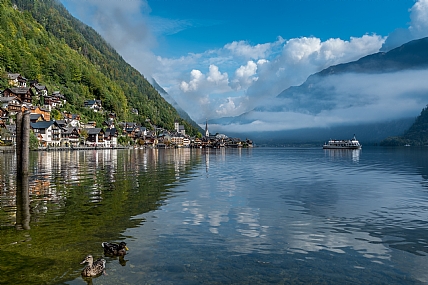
42 41
84 134
56 115
87 115
4 133
3 79
124 140
394 141
418 132
34 142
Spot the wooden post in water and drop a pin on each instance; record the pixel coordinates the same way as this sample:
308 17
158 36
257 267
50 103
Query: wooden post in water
18 142
22 142
22 203
22 159
25 142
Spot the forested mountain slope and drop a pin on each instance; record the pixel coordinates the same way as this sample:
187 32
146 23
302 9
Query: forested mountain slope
416 135
41 40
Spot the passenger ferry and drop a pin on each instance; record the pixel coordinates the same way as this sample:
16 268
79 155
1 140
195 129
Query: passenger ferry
343 144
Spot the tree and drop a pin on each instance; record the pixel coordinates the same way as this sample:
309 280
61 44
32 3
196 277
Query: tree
34 141
56 115
124 140
84 135
3 79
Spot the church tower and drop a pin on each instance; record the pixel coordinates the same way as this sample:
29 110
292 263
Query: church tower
207 133
177 126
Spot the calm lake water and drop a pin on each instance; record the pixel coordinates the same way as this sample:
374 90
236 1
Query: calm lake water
228 216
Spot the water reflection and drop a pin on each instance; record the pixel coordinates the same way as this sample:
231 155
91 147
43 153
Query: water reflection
354 154
223 216
367 217
72 200
54 174
22 204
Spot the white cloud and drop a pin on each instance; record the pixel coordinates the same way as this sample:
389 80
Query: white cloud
247 70
296 50
418 27
304 56
419 19
333 50
216 76
252 82
196 78
226 107
231 106
239 76
245 75
118 23
352 99
311 51
244 49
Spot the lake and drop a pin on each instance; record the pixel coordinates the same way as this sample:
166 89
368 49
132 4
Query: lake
218 216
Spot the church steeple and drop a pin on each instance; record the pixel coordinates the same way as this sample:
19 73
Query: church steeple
207 133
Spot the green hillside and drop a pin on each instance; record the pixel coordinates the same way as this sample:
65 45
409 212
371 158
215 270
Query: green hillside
416 135
41 40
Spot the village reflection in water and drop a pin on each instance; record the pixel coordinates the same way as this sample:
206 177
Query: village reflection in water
53 173
261 215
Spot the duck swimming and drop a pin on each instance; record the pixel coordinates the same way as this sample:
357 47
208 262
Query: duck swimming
114 248
93 268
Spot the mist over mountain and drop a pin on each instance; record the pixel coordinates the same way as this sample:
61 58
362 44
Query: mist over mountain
183 114
375 97
367 134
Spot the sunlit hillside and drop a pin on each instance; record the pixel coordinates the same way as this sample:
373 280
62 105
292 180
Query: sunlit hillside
42 41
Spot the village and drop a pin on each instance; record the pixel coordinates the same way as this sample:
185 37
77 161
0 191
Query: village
71 133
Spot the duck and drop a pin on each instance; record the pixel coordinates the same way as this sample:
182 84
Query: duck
93 268
114 248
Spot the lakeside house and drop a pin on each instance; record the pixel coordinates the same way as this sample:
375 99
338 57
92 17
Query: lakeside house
71 132
48 133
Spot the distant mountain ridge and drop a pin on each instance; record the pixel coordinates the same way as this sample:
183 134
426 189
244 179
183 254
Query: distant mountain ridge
314 96
412 55
320 94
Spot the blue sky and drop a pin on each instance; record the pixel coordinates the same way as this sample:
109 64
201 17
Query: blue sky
221 58
212 24
192 26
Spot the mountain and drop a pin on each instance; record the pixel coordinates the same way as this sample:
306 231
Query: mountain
416 135
40 40
375 97
412 55
320 91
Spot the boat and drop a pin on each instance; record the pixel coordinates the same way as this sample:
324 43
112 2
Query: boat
342 144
